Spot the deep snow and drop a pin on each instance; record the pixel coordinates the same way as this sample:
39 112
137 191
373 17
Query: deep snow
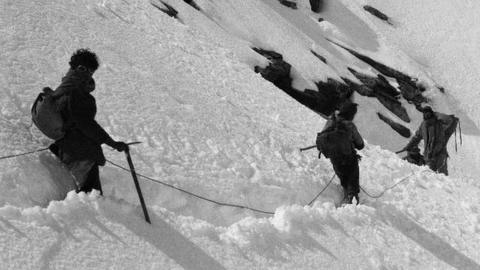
210 125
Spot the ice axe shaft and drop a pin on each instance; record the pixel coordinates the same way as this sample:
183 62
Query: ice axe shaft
307 148
137 185
133 143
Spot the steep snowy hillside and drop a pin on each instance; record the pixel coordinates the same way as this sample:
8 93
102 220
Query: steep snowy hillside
194 89
442 37
330 44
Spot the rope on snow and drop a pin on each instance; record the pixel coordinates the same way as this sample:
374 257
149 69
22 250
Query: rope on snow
23 154
214 201
191 193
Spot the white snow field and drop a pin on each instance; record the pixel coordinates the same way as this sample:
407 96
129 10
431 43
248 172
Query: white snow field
210 125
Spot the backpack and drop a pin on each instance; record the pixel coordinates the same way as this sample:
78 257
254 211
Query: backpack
448 126
46 116
335 142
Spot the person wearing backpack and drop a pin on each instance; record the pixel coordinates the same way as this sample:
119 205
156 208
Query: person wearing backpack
338 141
435 130
80 147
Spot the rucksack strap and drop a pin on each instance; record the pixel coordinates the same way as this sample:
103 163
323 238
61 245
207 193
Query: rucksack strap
456 140
460 133
460 129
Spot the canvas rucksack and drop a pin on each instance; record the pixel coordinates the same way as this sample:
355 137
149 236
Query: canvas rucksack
335 142
46 116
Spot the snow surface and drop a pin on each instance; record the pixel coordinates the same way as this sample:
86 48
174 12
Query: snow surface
210 125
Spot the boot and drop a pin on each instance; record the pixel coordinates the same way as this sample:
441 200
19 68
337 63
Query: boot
348 199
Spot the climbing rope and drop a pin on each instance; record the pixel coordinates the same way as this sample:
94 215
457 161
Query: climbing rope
191 193
23 154
387 189
156 181
214 201
320 193
391 187
180 189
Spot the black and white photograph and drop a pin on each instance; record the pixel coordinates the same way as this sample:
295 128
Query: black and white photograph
239 134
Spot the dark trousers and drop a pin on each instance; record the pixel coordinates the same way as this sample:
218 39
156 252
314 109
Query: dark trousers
93 181
347 171
439 163
93 177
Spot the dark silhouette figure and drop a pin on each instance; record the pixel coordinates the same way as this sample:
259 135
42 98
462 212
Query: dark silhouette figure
80 149
435 130
345 160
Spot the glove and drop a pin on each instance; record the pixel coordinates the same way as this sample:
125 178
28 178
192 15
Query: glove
120 146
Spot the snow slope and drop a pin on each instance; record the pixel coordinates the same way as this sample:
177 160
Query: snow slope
210 125
294 33
441 36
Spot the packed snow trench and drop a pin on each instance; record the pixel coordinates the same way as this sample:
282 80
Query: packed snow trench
186 88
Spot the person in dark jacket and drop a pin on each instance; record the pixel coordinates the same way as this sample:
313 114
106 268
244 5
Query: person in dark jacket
346 167
80 149
435 130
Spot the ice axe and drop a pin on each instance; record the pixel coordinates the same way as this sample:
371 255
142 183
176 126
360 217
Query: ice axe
400 151
307 148
135 180
133 143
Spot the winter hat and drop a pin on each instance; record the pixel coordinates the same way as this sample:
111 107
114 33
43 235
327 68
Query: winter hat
427 109
348 110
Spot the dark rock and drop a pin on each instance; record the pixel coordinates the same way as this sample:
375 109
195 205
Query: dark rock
329 96
193 4
170 11
277 71
409 88
375 12
411 93
420 87
268 54
442 89
383 91
377 84
400 129
321 19
316 5
359 88
343 90
289 4
326 102
393 105
319 57
384 86
385 70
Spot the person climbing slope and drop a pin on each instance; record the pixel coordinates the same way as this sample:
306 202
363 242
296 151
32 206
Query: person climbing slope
435 130
338 141
80 147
